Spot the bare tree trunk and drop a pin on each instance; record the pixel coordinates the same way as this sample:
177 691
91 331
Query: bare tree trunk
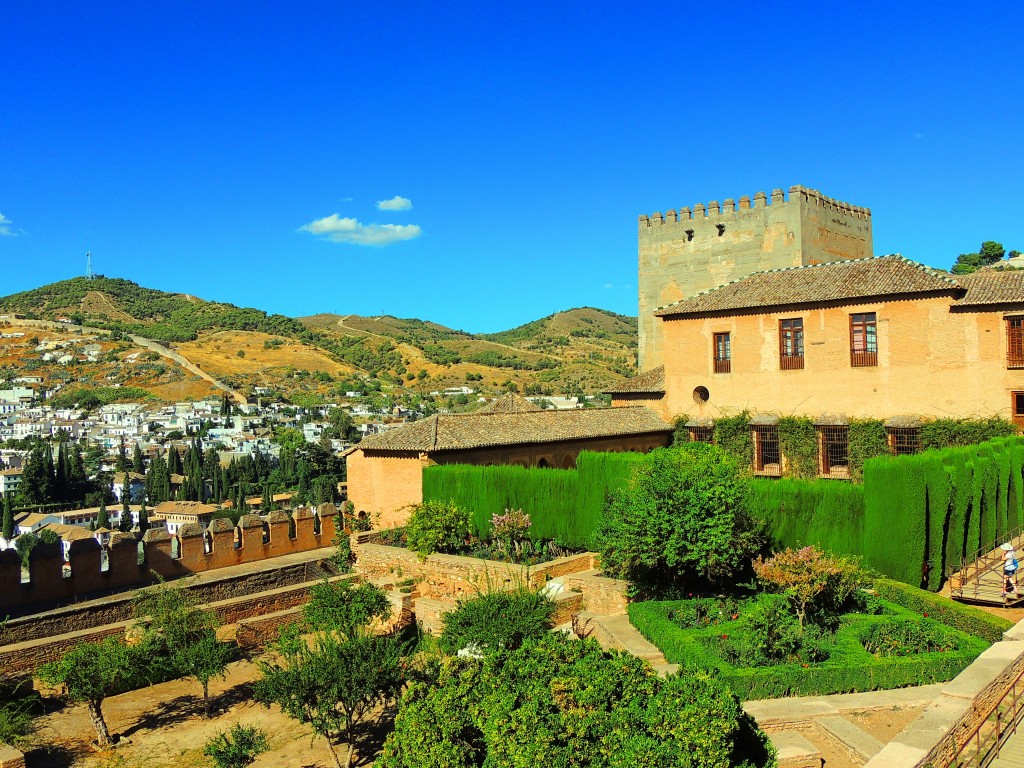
206 698
334 754
102 734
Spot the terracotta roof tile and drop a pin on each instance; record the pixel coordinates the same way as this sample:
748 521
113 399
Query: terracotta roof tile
509 403
991 286
835 281
652 381
477 430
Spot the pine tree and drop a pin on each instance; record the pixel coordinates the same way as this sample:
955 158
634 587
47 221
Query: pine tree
8 521
138 463
103 520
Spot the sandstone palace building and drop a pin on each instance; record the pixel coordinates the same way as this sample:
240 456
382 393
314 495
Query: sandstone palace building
794 317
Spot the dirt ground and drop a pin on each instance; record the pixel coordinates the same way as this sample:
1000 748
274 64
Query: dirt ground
884 724
163 727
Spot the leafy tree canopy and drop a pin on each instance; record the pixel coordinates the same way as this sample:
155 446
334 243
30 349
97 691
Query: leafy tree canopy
681 516
563 702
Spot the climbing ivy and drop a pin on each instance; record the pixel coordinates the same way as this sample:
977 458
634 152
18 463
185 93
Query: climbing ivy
798 444
867 440
947 433
732 435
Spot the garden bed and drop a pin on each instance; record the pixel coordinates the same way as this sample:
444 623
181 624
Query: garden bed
887 646
519 552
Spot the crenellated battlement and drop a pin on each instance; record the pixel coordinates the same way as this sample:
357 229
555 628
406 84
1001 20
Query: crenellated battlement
126 561
733 208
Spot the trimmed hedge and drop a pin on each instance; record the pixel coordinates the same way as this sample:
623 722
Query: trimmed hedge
850 667
563 504
915 518
965 618
800 513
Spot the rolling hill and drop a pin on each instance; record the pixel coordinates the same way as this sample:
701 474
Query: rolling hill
582 348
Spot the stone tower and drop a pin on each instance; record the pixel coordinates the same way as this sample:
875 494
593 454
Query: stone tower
684 253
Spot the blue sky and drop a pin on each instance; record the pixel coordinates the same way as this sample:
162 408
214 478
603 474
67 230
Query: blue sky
238 151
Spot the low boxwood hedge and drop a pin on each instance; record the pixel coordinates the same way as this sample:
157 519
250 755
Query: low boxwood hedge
966 618
849 668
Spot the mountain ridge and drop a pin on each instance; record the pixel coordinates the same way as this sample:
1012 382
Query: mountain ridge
584 348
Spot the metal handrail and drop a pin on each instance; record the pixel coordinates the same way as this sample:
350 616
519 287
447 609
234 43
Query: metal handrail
981 749
979 564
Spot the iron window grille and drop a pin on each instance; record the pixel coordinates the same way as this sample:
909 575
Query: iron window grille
1017 408
1015 342
833 451
904 441
702 434
767 454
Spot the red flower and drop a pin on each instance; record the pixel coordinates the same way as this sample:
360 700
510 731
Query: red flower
926 615
725 637
735 616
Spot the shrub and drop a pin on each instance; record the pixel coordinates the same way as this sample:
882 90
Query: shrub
965 618
511 526
557 701
237 747
497 621
813 581
344 607
437 526
907 637
682 516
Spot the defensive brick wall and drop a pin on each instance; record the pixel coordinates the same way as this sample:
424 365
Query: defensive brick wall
129 562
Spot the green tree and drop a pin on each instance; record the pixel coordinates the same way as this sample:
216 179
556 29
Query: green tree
563 702
344 607
682 516
334 685
290 438
497 621
143 516
138 463
103 519
990 252
126 522
180 637
8 520
90 673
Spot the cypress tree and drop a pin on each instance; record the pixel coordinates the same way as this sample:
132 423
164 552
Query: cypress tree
8 521
174 461
122 457
103 520
268 499
143 517
126 522
138 463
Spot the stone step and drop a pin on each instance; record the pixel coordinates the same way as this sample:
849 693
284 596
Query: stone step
615 632
852 736
795 751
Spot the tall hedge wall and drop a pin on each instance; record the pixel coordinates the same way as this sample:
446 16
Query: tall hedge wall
563 504
914 518
799 513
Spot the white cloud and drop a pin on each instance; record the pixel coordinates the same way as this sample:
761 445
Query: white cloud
396 203
351 230
5 226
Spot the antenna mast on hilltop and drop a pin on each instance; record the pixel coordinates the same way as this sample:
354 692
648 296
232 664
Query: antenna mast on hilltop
89 274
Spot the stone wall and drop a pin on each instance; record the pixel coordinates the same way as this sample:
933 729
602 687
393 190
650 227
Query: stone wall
449 577
108 610
931 362
52 581
683 253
